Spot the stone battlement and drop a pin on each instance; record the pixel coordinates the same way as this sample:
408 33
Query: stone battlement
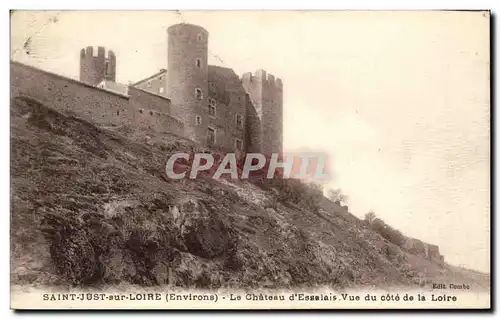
100 52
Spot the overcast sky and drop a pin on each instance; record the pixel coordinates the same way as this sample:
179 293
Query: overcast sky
399 100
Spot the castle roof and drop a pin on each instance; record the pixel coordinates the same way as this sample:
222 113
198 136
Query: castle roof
226 73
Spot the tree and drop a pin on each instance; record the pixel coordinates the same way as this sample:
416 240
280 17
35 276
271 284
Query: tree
336 195
370 217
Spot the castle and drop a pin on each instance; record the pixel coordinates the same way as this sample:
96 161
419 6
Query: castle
208 104
426 250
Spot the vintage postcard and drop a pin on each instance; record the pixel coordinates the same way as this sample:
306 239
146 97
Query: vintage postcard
250 159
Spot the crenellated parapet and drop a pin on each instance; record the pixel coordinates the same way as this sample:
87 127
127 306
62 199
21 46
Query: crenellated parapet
97 65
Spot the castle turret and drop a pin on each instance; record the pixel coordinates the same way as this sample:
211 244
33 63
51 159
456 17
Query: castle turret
187 78
97 66
266 94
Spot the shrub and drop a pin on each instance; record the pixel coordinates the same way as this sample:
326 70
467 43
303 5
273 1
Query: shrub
336 195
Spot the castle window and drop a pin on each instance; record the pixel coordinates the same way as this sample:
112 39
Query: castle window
199 37
212 107
211 110
198 93
198 120
211 136
140 111
198 63
239 144
239 121
151 113
161 90
149 84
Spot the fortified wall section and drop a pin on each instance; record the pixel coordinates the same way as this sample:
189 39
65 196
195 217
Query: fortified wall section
226 91
253 134
70 96
418 247
152 111
93 104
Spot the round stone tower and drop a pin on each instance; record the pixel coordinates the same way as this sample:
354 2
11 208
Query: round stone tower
97 66
187 78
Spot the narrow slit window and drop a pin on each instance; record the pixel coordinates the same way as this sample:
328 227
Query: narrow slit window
239 144
239 121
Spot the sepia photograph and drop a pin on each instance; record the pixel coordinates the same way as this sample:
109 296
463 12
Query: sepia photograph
178 159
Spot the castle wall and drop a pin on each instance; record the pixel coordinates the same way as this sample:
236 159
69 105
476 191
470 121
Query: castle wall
415 246
420 248
94 104
230 96
433 252
140 98
272 116
158 121
253 127
70 96
152 111
266 93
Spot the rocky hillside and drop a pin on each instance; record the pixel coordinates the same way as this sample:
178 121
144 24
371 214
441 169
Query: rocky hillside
91 206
